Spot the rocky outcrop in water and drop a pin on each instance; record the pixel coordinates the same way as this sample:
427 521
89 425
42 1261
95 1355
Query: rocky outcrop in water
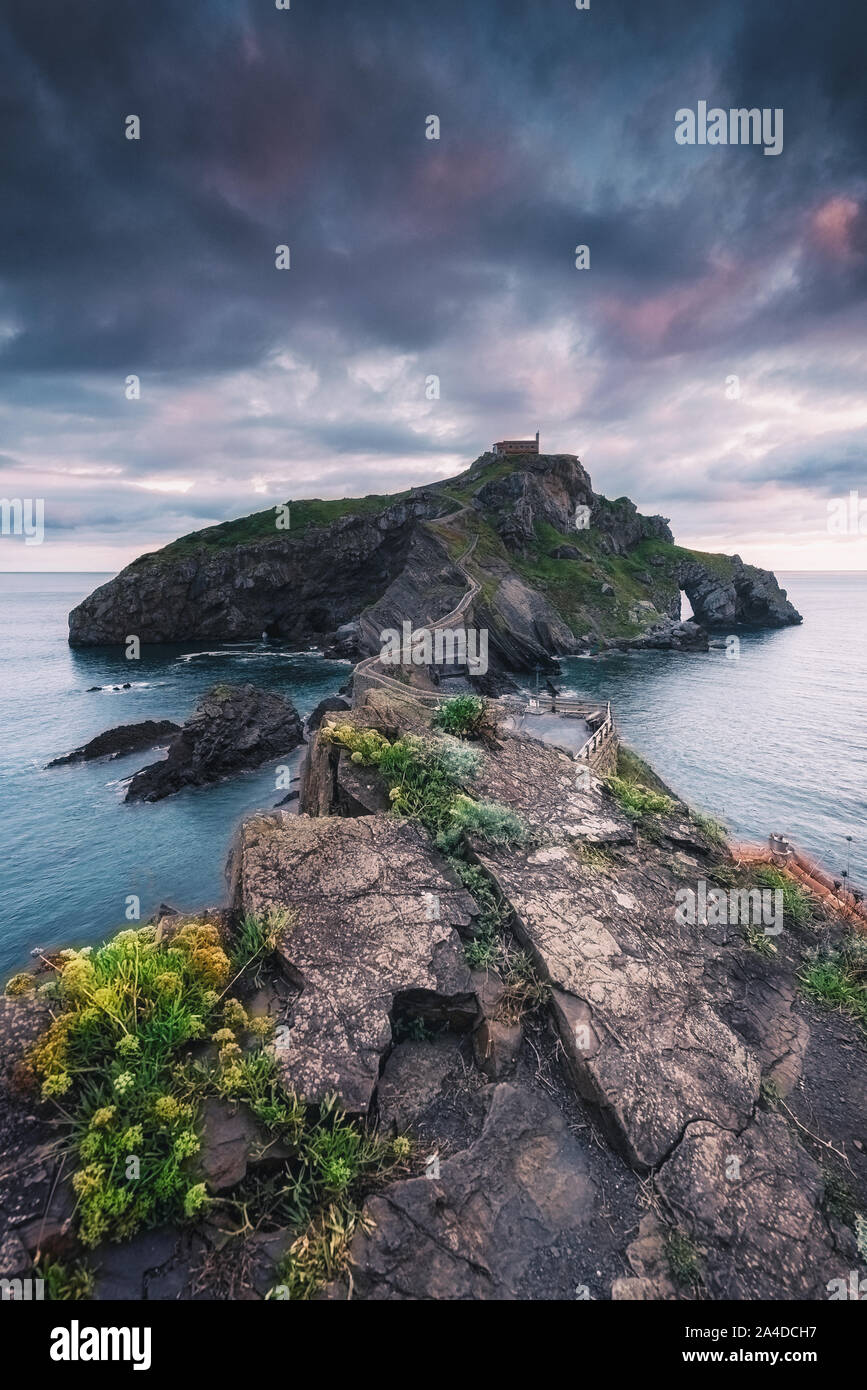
126 738
232 729
687 636
724 596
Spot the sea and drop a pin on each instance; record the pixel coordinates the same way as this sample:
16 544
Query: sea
768 735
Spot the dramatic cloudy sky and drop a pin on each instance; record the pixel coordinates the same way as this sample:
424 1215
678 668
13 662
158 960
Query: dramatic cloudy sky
413 257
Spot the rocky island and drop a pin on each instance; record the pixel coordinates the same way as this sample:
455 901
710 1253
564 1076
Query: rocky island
556 567
125 738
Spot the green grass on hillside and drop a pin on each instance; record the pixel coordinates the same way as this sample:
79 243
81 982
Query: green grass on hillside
837 977
262 526
574 587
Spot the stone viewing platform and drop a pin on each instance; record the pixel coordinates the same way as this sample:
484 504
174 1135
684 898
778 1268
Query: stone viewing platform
581 727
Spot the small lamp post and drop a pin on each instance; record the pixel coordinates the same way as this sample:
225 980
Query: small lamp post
848 854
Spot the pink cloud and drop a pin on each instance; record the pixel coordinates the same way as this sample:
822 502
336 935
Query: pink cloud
832 225
648 322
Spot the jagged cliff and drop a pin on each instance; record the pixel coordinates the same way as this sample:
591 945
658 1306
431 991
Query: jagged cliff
559 569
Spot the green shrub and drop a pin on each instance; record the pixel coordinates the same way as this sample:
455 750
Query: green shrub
318 1256
412 1029
107 1058
65 1283
482 951
493 911
683 1258
486 819
365 745
713 829
839 1197
491 947
464 716
20 984
338 1154
424 777
335 1158
257 937
457 760
111 1061
419 784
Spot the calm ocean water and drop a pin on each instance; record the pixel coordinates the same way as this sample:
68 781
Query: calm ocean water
776 740
70 850
773 741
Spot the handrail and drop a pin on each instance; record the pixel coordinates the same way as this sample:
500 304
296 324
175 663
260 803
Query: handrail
568 705
365 666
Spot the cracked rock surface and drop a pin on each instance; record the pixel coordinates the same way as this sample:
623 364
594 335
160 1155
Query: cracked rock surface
752 1201
506 1211
642 1035
376 929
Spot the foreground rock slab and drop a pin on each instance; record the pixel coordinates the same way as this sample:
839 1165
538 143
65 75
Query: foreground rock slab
751 1202
232 1141
372 935
557 797
637 1020
233 728
503 1220
413 1079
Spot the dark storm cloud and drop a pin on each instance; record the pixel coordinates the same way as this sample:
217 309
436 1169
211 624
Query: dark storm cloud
409 257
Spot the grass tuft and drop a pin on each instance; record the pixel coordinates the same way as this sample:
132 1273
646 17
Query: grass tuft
758 940
713 829
65 1283
637 801
838 978
797 906
683 1258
